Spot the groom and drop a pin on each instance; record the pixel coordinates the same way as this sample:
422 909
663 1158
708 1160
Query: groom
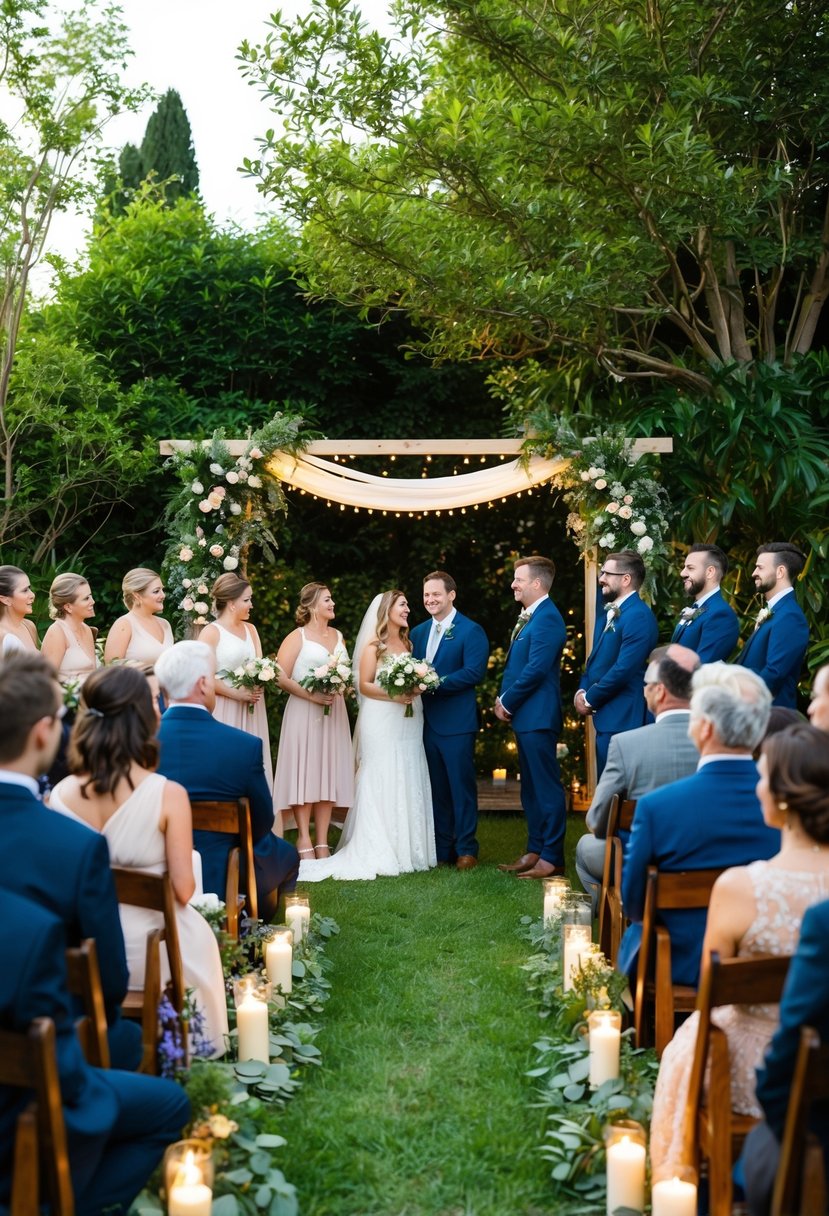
458 650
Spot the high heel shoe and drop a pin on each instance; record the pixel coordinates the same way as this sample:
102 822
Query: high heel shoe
306 852
325 847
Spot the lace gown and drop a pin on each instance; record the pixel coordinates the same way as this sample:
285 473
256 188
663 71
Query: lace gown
232 652
315 761
136 842
781 897
389 829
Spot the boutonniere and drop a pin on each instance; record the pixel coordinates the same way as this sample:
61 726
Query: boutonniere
523 619
762 616
613 614
450 633
689 614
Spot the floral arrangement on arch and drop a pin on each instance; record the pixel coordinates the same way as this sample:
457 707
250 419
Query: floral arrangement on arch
225 504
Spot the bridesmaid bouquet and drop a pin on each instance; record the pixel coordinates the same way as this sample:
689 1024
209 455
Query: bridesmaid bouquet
333 676
251 674
405 675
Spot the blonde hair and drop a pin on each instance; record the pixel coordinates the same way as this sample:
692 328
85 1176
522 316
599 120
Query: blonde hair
63 591
308 597
226 589
135 582
387 602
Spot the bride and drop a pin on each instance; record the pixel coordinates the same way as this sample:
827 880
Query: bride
389 828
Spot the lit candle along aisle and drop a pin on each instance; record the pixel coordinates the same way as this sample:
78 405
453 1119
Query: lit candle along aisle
625 1167
298 916
605 1038
189 1195
252 1021
279 958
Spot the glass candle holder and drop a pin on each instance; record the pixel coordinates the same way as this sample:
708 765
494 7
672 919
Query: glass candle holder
625 1145
556 890
298 916
188 1178
575 941
674 1191
605 1040
251 995
279 959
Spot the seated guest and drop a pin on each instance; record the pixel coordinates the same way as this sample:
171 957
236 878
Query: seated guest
805 1003
756 910
708 820
213 762
146 821
644 759
55 863
819 705
118 1124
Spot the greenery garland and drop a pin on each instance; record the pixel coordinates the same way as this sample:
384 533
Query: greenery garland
225 504
575 1115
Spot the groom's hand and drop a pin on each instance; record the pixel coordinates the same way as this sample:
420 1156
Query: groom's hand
500 712
581 704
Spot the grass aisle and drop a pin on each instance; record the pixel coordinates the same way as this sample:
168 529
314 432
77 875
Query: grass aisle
421 1107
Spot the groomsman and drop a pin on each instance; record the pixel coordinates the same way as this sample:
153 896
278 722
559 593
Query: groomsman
459 651
777 646
612 687
709 625
530 700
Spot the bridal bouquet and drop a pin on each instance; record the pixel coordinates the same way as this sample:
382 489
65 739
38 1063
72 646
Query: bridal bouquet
251 674
406 675
333 676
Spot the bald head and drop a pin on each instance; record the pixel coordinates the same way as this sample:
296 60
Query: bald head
669 674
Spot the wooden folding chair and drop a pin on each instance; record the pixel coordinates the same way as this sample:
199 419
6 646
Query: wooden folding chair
232 817
84 982
28 1060
611 917
658 1000
712 1131
801 1183
141 889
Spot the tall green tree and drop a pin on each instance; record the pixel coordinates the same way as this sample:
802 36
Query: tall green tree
167 148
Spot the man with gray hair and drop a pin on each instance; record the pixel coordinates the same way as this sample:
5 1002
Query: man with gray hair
215 762
708 820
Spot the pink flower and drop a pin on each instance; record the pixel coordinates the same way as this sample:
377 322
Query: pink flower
255 454
321 671
200 607
185 554
206 506
187 604
214 500
216 550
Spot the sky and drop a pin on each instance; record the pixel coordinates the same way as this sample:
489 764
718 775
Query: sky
190 46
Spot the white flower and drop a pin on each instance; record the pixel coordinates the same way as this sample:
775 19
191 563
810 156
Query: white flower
612 508
217 470
255 454
607 541
638 528
197 487
601 484
235 508
231 478
267 673
625 512
230 563
239 671
255 482
202 542
399 682
243 476
206 506
187 604
244 463
645 544
200 607
185 554
585 476
593 471
187 582
201 589
216 550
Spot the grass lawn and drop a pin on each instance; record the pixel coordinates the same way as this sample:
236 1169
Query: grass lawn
421 1107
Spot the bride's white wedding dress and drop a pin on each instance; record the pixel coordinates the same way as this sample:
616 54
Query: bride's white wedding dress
389 829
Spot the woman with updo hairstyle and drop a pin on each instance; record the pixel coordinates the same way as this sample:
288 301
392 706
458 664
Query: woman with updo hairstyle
69 644
314 765
142 635
756 910
115 790
235 642
16 604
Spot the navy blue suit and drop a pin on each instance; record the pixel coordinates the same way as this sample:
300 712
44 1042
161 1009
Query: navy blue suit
117 1123
531 693
714 631
705 821
451 722
805 1003
613 679
776 649
215 762
64 867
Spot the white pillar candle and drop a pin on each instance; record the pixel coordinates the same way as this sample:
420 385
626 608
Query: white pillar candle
673 1197
625 1175
298 918
605 1037
252 1025
189 1195
555 892
576 941
279 958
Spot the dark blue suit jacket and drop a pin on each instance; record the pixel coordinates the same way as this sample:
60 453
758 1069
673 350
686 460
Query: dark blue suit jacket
705 821
214 761
776 650
460 660
713 633
64 867
530 687
613 679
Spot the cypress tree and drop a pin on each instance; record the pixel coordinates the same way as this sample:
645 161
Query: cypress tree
167 148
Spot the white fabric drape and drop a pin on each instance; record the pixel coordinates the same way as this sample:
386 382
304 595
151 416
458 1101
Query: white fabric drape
343 484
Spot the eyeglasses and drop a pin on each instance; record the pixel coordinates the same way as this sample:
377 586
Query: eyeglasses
612 573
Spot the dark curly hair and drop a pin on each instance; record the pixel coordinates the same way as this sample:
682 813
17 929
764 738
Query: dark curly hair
798 765
115 728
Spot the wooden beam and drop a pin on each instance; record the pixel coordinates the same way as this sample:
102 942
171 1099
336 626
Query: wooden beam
407 447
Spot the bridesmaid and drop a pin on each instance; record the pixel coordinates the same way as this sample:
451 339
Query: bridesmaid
69 644
314 767
16 603
142 635
236 641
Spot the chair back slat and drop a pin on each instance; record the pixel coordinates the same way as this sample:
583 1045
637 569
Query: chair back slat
794 1192
141 889
620 817
232 816
84 982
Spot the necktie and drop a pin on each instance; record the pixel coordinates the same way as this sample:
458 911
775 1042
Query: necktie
434 639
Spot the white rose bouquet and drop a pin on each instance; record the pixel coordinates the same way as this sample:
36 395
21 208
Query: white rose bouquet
407 675
333 676
251 674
